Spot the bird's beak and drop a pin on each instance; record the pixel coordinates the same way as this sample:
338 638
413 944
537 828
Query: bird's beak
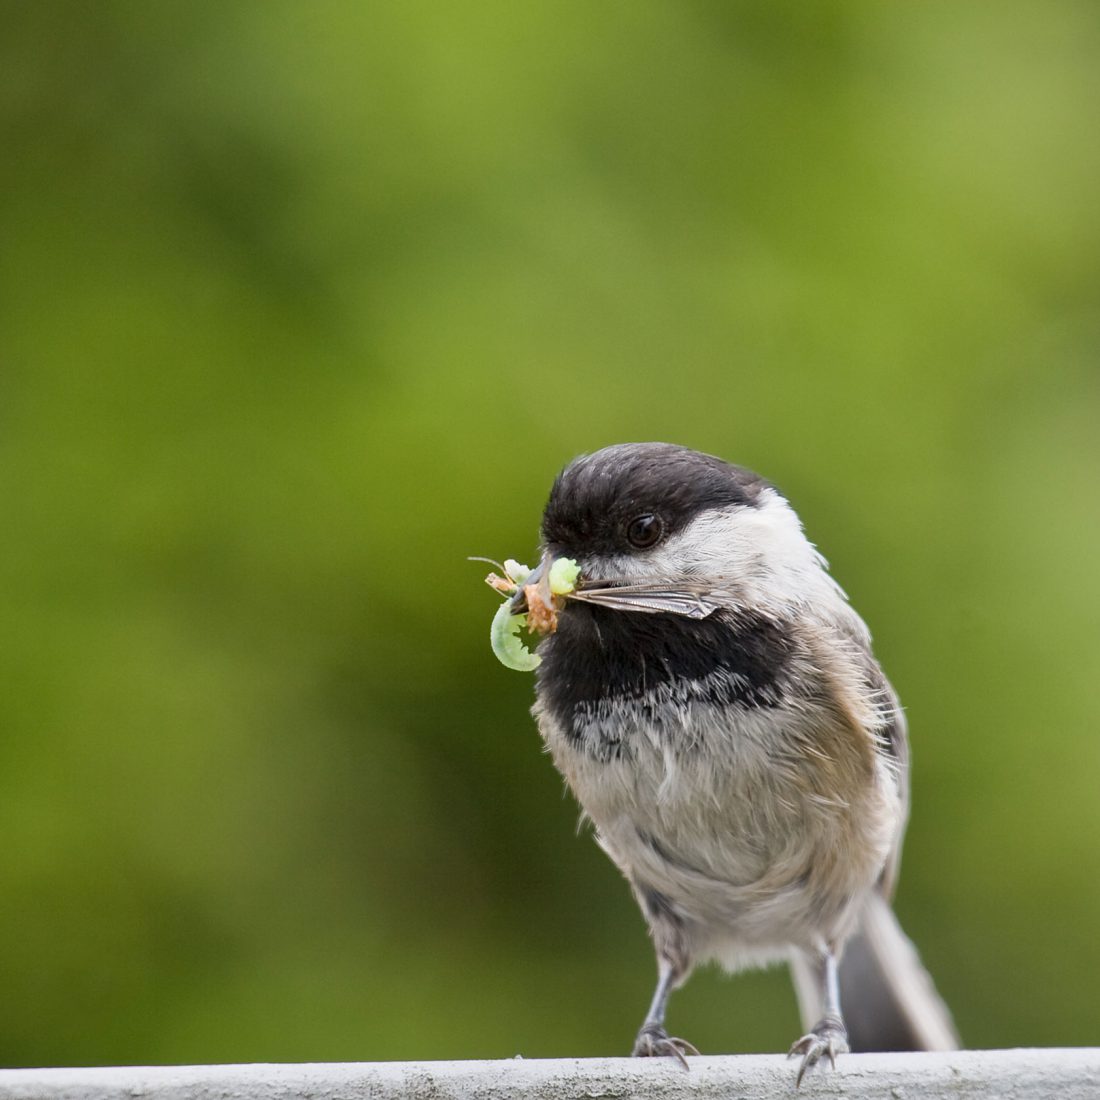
539 576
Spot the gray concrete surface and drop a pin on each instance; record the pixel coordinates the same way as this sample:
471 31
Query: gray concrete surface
1071 1074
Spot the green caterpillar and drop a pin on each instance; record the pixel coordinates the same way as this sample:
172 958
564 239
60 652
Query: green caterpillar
504 637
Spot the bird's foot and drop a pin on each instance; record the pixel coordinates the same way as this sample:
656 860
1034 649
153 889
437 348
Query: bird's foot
829 1038
654 1042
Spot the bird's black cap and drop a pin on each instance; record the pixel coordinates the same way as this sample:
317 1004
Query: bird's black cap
597 495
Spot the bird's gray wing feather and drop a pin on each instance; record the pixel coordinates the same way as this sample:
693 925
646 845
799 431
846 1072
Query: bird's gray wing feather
889 1000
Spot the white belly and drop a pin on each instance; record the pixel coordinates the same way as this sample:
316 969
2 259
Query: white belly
731 829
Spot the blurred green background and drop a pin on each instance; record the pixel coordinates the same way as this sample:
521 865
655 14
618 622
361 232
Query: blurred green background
303 303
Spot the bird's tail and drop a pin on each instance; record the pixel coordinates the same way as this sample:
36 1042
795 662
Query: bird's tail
886 995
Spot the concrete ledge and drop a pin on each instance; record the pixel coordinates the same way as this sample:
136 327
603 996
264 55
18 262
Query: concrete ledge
1070 1074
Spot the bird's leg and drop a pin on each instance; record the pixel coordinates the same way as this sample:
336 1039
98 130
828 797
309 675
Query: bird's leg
829 1037
652 1038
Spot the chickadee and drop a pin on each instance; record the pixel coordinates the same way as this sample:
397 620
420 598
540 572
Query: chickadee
713 702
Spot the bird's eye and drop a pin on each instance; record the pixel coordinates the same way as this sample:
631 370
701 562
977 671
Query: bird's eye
645 530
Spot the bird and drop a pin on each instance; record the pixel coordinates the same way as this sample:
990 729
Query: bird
712 700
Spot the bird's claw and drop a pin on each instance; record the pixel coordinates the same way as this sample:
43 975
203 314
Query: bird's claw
828 1039
655 1042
